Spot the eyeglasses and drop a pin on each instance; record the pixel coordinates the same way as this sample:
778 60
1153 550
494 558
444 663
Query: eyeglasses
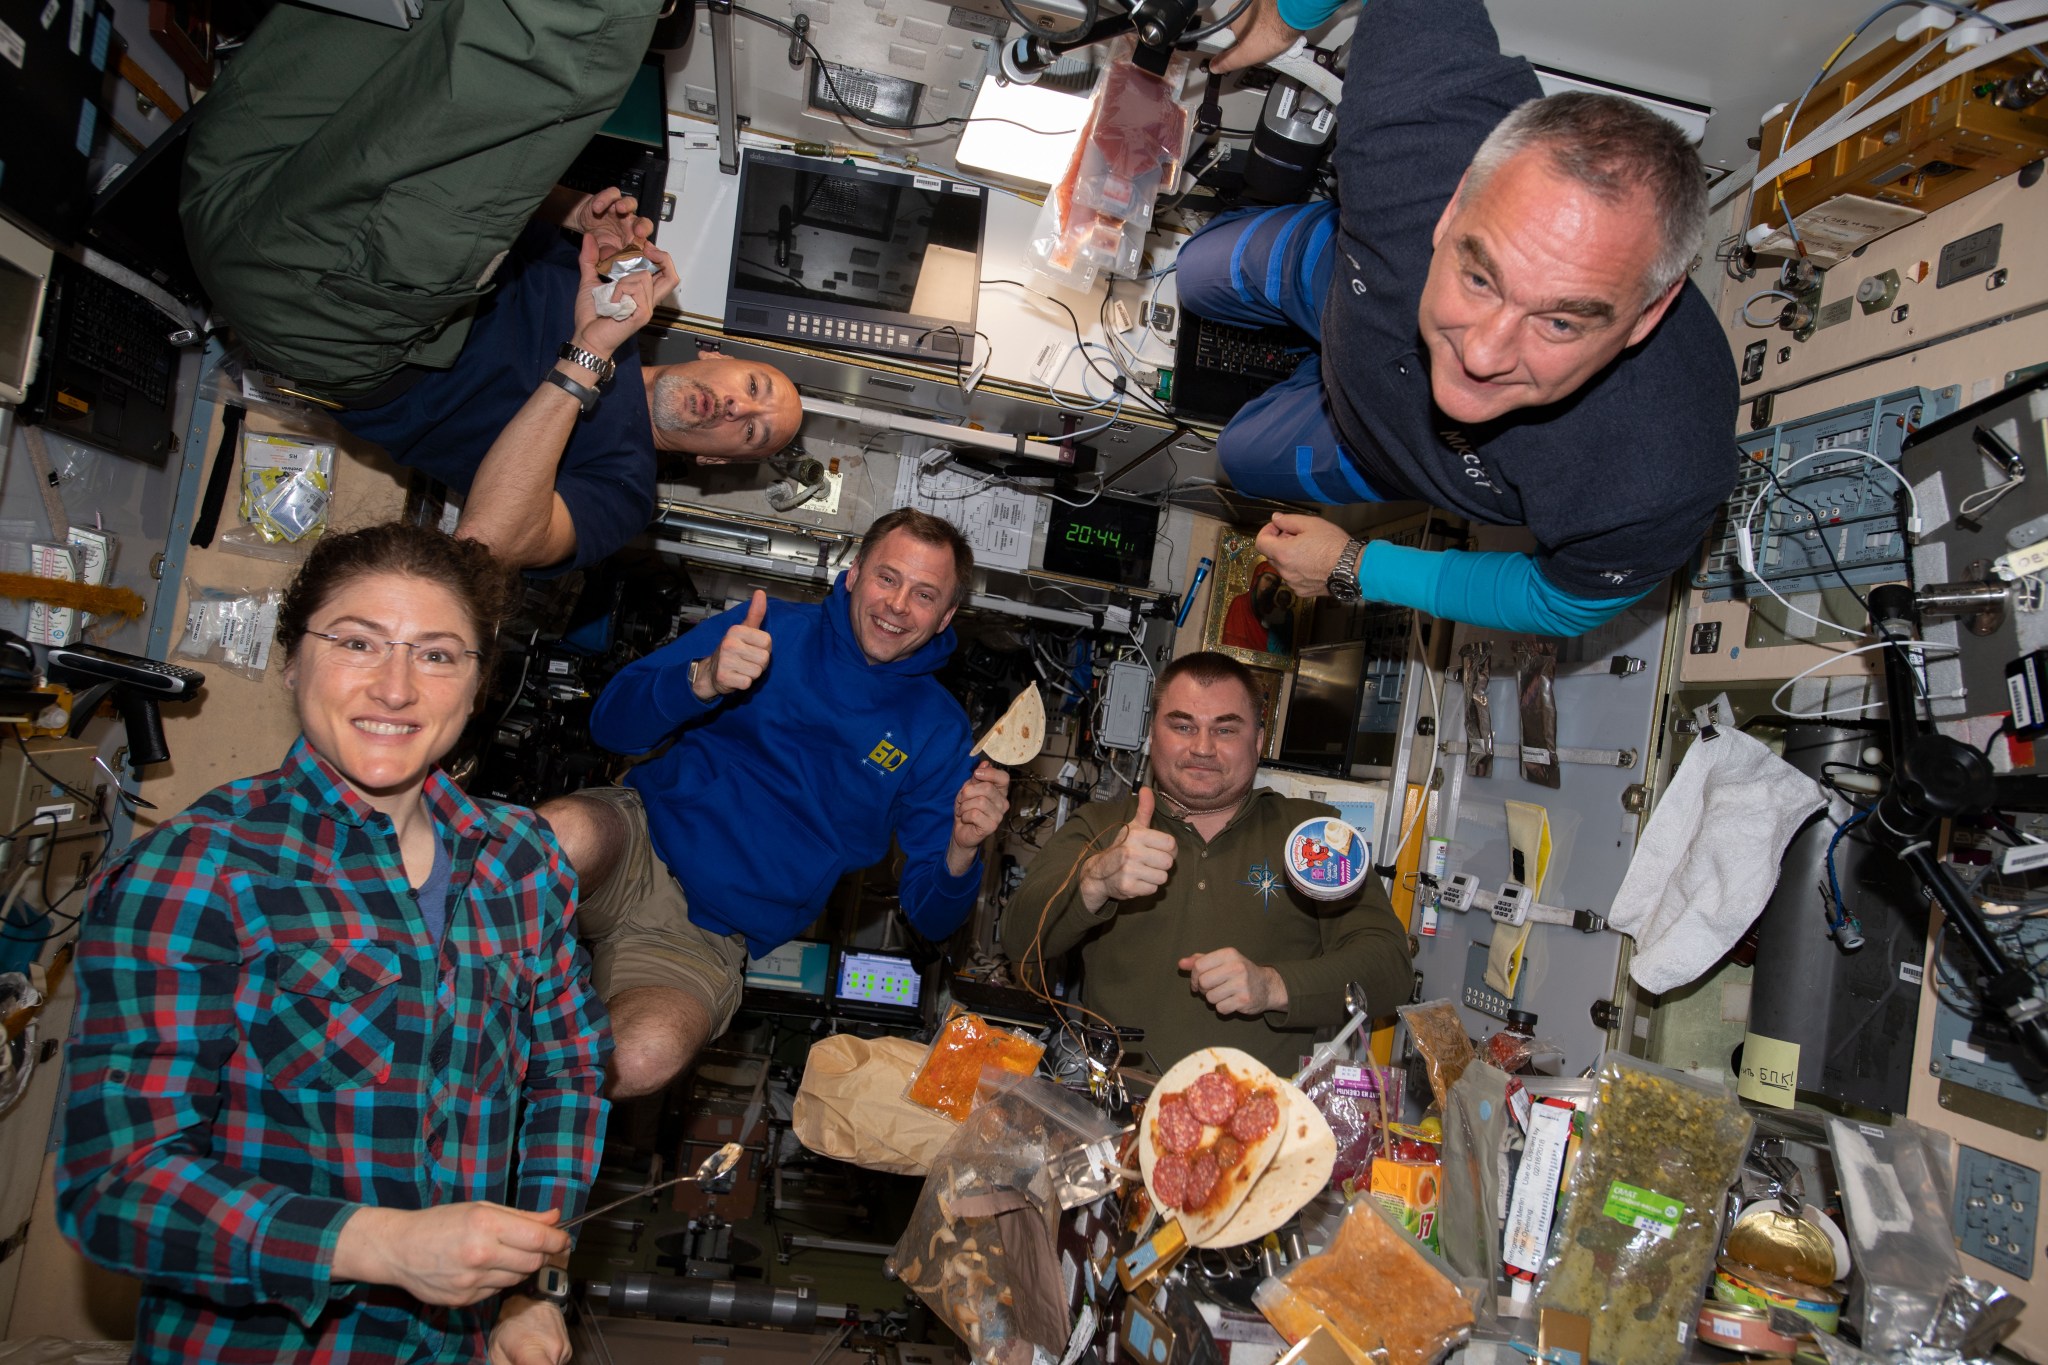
356 650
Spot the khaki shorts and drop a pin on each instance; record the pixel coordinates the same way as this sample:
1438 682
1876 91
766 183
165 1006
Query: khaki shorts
637 926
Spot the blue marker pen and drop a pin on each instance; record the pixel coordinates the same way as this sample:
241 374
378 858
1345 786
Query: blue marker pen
1201 572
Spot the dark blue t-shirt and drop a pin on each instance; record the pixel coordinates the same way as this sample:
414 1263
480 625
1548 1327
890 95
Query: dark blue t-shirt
432 894
445 423
1619 481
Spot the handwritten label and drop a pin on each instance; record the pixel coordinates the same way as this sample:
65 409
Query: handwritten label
1770 1071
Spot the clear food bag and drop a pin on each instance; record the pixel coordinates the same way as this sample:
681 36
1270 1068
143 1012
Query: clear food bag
1385 1299
1642 1212
287 486
1129 152
1896 1193
980 1248
967 1045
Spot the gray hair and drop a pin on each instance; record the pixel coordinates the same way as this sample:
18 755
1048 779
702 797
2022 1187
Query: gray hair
1617 149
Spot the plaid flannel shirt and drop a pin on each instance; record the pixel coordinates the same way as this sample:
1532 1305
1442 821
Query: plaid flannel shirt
266 1041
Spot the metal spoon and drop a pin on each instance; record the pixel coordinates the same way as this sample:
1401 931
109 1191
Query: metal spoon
710 1168
1354 1002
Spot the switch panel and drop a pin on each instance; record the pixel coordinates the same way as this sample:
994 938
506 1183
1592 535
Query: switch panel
1995 1217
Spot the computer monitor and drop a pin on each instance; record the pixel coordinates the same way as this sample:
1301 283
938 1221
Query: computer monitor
856 258
882 986
798 967
24 280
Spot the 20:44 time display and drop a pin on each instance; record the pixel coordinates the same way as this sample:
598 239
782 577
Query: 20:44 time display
1105 537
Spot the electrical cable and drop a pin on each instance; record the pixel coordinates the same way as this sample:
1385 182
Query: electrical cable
1745 537
1784 142
1765 294
1189 39
1089 14
1436 739
846 110
1847 932
1777 697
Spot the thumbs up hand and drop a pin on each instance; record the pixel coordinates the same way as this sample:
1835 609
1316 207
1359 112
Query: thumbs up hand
741 657
1133 867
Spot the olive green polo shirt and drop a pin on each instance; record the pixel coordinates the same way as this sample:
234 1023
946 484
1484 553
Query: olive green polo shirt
1229 892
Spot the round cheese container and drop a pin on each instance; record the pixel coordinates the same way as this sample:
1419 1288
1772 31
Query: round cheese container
1326 858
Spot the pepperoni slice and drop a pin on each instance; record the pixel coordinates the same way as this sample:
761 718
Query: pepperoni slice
1178 1130
1256 1117
1213 1098
1203 1173
1170 1179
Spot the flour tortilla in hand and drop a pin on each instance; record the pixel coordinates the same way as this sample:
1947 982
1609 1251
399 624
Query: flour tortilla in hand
1228 1118
1018 736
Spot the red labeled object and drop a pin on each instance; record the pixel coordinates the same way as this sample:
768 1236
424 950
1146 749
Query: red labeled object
1202 1176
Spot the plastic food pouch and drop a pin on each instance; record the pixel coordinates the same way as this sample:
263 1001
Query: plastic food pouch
1440 1038
1387 1301
947 1082
1358 1102
1642 1213
1475 1135
1129 151
1895 1193
980 1247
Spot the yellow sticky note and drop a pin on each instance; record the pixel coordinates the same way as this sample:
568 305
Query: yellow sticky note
1770 1070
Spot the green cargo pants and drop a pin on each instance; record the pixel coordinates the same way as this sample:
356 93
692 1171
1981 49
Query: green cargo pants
350 187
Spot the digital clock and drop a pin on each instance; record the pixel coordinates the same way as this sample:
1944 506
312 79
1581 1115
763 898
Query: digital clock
1110 540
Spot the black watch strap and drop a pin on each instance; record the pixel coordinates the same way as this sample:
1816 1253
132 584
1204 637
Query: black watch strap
550 1284
604 369
585 396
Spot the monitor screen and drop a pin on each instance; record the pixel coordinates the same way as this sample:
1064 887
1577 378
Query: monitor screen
1110 540
796 966
856 257
877 979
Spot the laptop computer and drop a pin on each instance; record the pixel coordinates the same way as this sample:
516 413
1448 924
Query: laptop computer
882 988
1218 368
108 367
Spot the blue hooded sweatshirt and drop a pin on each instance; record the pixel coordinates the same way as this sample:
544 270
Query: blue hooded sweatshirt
770 795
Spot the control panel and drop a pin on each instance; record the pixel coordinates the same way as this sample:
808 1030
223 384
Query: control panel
1996 1216
1808 487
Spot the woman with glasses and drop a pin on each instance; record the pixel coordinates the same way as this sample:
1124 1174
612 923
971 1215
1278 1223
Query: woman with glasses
328 1012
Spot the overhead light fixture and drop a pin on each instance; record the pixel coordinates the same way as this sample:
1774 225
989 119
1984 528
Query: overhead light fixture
1687 115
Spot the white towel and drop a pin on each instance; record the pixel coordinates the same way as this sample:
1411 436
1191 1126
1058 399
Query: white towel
1709 857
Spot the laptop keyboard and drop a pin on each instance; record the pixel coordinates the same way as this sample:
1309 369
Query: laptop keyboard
1236 350
119 334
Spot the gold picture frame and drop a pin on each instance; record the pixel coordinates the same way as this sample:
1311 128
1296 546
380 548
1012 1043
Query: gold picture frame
1273 688
1254 617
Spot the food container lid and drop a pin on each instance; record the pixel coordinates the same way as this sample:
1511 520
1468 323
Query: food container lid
1326 858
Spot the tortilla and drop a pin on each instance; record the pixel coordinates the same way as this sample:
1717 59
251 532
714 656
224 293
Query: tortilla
1019 734
1204 1227
1298 1172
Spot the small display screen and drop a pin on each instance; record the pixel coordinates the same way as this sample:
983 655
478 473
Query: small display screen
878 979
1110 540
823 233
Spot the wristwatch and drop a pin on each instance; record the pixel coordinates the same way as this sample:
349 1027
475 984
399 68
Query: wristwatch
585 396
1343 580
550 1284
589 360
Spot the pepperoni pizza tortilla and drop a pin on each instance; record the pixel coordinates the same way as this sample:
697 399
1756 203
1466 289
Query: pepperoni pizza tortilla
1217 1121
